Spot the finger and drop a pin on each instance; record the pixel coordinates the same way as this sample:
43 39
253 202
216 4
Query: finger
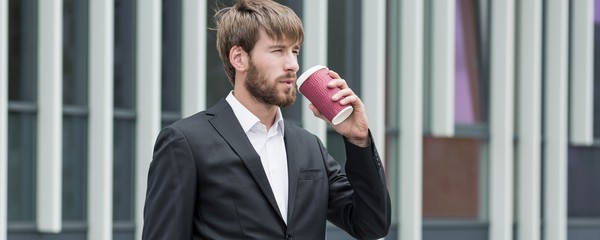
338 82
350 100
334 74
342 93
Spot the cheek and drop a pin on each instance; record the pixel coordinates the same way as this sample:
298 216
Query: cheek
267 69
269 77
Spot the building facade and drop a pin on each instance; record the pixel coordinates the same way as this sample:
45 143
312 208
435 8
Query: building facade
488 111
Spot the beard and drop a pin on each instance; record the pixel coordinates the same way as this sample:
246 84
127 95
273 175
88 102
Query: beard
266 91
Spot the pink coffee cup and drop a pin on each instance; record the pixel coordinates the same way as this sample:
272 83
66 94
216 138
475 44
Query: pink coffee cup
313 85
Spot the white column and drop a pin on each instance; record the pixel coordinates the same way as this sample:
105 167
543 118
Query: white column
442 67
49 141
314 52
193 51
529 125
555 119
148 98
100 140
581 124
3 115
373 68
411 120
501 119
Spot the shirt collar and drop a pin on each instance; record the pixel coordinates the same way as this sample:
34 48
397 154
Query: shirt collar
247 119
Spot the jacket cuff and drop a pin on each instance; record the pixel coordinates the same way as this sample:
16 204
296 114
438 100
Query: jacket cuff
363 153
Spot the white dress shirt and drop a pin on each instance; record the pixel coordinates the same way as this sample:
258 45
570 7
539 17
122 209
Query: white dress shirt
270 146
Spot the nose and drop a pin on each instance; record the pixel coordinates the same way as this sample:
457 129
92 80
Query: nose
291 62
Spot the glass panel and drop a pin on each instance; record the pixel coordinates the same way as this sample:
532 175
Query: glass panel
123 170
75 52
217 85
74 168
583 187
467 103
21 167
450 177
124 54
343 47
124 98
171 55
597 69
22 67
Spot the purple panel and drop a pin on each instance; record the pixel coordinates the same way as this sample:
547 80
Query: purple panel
597 11
463 100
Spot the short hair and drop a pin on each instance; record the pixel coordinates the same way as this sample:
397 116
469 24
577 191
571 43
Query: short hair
240 25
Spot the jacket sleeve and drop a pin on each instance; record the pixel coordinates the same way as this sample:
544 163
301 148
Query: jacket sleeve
359 203
171 191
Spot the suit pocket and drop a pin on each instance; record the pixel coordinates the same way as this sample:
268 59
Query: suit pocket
311 174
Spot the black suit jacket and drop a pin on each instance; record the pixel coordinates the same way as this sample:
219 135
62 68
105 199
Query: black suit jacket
206 181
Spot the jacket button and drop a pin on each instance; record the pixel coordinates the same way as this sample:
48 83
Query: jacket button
289 237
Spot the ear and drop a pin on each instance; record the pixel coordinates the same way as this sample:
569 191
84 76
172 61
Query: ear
238 58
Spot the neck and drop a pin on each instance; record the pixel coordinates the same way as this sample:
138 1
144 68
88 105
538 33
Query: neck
266 113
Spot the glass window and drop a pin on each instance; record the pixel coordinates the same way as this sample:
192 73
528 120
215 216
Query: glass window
597 69
123 170
124 118
21 167
75 27
74 194
75 110
583 187
124 54
344 40
22 50
22 111
467 97
171 60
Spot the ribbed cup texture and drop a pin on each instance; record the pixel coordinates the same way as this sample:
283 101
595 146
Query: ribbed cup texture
316 90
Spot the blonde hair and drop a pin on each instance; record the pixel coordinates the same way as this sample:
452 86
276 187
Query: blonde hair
240 25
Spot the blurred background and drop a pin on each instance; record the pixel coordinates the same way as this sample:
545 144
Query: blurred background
487 111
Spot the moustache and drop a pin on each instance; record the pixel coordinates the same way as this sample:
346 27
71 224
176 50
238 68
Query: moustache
290 75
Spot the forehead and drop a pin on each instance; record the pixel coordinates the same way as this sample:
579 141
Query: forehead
266 41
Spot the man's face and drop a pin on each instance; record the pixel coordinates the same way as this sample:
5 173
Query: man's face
272 69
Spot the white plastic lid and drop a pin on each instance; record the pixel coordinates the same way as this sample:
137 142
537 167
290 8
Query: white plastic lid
307 73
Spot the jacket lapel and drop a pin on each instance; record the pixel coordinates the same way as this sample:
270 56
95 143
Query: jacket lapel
223 119
293 153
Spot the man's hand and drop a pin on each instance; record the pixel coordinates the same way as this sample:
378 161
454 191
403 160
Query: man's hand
356 127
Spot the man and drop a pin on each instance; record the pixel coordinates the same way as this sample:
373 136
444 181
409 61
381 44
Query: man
239 171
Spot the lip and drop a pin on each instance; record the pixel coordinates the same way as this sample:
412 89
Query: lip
289 81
